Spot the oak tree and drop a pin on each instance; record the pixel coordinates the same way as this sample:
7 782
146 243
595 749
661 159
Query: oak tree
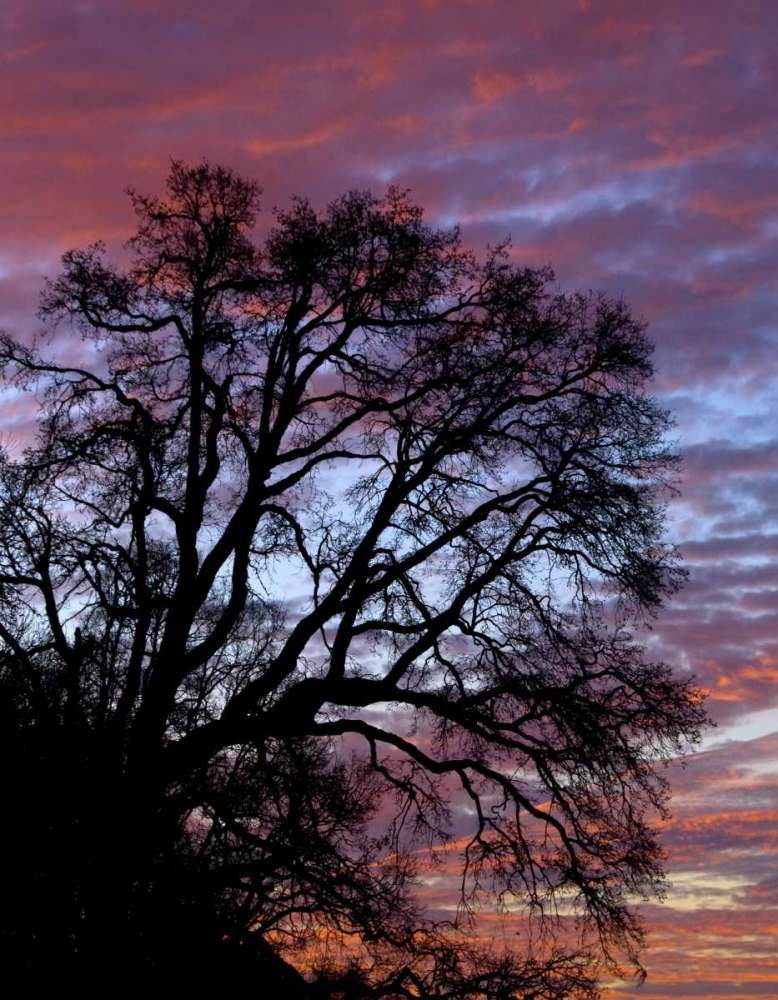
327 554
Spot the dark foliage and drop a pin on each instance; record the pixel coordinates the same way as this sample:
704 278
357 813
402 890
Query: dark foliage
328 547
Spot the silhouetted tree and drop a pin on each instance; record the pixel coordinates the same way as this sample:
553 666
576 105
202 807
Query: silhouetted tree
329 544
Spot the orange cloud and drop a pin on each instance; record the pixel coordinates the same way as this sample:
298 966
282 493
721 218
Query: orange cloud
579 124
491 87
702 57
296 143
734 210
677 149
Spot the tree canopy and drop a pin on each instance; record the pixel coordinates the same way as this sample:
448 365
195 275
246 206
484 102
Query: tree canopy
329 551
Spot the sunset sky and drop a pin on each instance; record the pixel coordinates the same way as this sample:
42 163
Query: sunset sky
631 144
